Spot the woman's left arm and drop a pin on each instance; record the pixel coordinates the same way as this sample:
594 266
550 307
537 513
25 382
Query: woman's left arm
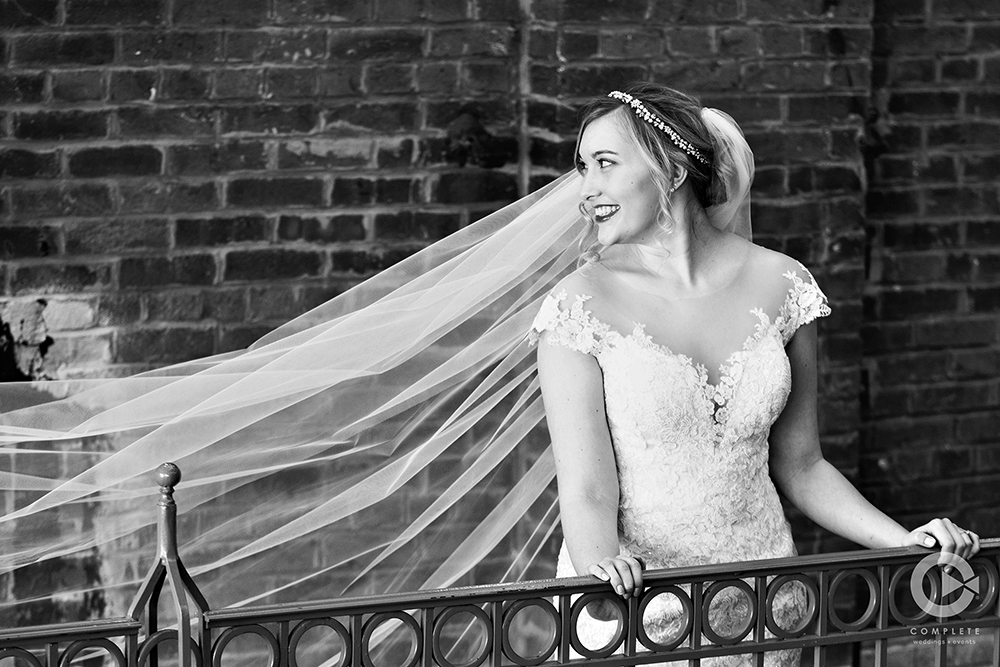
819 489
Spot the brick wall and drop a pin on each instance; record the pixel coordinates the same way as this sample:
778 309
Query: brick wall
931 420
179 177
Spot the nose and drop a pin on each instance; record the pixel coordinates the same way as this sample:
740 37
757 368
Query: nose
589 188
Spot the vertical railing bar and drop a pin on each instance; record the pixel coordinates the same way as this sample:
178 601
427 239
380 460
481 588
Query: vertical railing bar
941 650
822 619
760 633
882 623
357 640
697 588
631 627
284 642
132 649
52 654
427 629
497 630
566 625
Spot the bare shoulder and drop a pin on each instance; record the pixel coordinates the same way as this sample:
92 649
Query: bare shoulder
588 281
771 262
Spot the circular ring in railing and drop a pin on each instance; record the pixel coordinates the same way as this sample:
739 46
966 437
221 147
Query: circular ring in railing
812 606
990 571
306 626
155 639
873 597
378 619
894 588
439 624
508 619
686 603
615 641
232 633
75 648
706 608
20 654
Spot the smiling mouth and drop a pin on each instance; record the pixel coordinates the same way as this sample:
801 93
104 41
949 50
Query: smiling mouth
604 212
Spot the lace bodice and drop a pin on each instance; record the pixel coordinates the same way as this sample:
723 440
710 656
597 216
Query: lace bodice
692 455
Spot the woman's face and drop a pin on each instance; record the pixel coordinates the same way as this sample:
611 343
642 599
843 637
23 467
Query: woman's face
618 185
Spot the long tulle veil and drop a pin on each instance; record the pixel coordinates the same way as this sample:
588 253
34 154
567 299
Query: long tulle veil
391 439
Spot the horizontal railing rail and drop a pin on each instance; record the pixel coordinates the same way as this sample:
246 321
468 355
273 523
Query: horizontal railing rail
807 603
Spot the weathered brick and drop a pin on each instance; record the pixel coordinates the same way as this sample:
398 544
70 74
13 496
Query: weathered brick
353 191
261 119
955 332
220 231
826 109
982 427
291 82
981 363
239 83
193 12
185 84
75 199
272 302
156 271
408 225
59 278
240 337
157 122
494 113
60 125
985 299
115 12
124 161
272 264
472 41
398 153
181 46
216 158
311 11
129 85
144 196
296 46
952 397
20 163
65 49
192 196
585 80
396 190
174 306
227 305
917 169
77 86
28 14
917 303
28 242
961 201
482 186
275 192
795 75
739 41
376 45
488 77
331 229
116 235
893 203
913 268
21 88
344 81
576 46
919 39
788 146
165 344
384 117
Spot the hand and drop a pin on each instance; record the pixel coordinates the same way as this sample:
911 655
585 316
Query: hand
623 572
944 533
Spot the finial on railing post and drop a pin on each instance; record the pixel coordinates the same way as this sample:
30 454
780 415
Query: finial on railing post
168 568
168 475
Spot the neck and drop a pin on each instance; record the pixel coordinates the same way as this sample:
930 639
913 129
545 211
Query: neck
685 255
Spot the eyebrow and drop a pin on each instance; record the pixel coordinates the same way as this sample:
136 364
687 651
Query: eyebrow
603 151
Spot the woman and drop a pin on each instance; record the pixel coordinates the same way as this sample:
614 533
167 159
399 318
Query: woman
391 438
678 369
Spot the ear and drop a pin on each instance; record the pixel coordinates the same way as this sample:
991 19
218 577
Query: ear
679 176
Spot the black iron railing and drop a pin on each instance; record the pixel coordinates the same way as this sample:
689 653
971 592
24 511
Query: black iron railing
487 625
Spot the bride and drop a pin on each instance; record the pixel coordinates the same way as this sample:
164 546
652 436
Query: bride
394 438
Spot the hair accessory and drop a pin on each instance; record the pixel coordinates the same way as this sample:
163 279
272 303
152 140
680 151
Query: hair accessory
642 112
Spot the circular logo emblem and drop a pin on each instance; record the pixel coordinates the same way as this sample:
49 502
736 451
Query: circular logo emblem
961 577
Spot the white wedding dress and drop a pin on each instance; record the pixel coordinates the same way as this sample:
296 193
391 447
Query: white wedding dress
691 445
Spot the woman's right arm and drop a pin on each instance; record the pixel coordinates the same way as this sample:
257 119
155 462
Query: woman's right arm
573 392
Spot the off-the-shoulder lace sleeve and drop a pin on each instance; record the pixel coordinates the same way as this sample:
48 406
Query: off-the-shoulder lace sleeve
571 327
803 304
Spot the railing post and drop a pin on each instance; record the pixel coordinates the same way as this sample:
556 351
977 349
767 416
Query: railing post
168 567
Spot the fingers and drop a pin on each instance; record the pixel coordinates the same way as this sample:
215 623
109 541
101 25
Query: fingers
952 539
624 573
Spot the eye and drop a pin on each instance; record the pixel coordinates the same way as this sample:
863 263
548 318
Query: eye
603 162
581 166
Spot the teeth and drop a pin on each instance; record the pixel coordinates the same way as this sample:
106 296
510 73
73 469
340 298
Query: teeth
605 210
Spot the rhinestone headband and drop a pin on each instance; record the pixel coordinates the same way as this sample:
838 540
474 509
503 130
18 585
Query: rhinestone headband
642 112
